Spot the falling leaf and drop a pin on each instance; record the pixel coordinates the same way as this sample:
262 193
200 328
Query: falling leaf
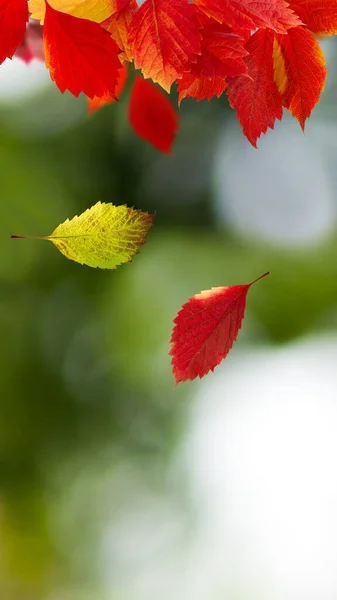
250 14
256 98
165 39
80 55
206 328
13 20
104 236
152 116
93 10
303 64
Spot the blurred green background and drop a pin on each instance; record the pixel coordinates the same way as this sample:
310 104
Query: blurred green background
89 417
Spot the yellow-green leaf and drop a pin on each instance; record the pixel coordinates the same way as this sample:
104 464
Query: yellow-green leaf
104 236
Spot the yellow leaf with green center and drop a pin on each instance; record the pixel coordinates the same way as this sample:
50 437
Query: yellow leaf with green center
104 236
93 10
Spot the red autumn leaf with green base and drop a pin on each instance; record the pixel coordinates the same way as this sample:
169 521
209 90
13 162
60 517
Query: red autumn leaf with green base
205 330
13 20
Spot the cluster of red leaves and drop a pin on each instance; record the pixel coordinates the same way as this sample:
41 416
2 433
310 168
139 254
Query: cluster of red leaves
263 53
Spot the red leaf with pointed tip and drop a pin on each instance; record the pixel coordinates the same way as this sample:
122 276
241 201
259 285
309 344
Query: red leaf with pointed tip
97 103
320 16
13 20
201 88
165 39
250 14
304 71
80 55
152 115
256 98
205 329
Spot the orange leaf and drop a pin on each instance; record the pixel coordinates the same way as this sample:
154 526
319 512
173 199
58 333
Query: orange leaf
165 38
152 115
304 72
201 87
118 27
13 19
256 98
250 14
320 16
206 328
80 55
97 103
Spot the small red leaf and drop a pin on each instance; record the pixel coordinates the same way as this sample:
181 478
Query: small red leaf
206 328
13 19
80 55
152 116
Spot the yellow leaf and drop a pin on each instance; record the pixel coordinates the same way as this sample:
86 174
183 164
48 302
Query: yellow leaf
104 236
93 10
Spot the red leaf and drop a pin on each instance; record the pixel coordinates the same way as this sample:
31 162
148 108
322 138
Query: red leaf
222 50
320 16
256 98
190 86
250 14
165 39
205 329
222 56
13 19
304 71
80 55
152 116
97 103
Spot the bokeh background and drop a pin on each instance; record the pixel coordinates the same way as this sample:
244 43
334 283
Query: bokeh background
113 484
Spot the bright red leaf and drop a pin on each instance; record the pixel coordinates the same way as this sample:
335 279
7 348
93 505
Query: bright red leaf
300 60
256 98
165 39
13 20
97 103
205 329
152 115
32 46
250 14
80 55
320 16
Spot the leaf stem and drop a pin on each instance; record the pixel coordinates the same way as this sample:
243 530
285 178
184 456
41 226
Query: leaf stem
31 237
261 277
